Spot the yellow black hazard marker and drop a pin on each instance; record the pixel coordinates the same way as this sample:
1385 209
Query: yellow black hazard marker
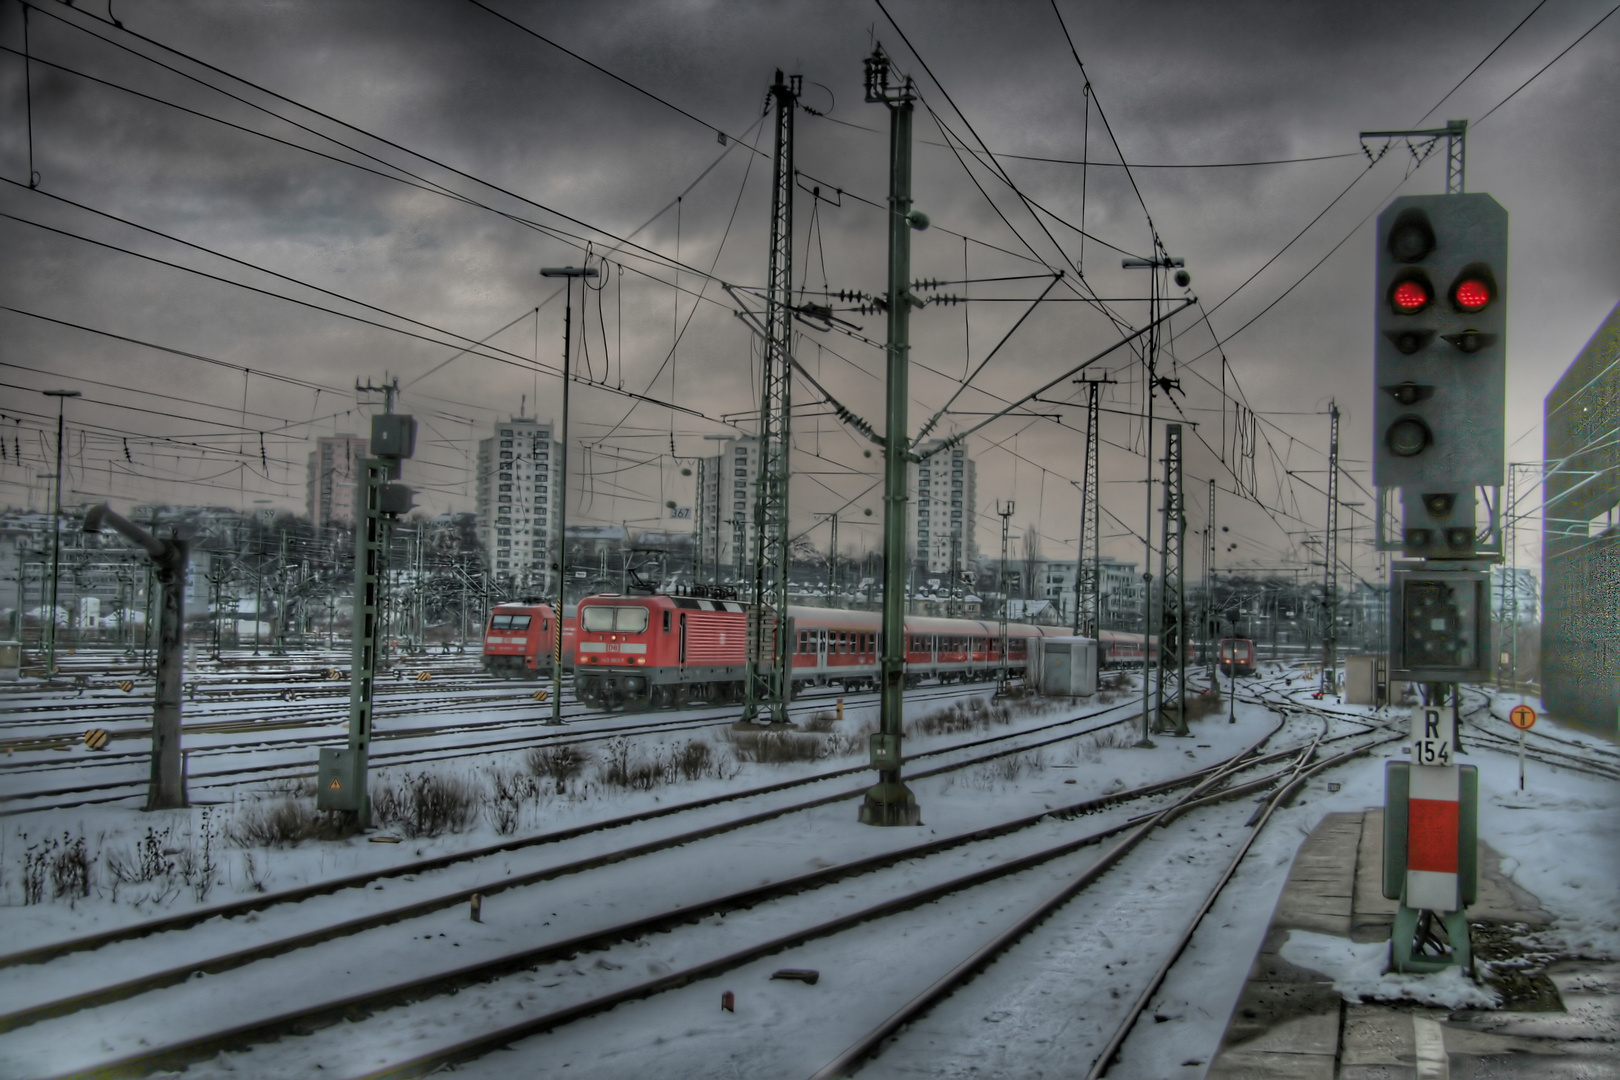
424 676
541 695
126 686
97 738
333 674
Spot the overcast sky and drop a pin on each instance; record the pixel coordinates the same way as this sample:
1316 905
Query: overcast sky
458 154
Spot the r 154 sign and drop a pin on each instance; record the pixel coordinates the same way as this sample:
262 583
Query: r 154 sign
1433 733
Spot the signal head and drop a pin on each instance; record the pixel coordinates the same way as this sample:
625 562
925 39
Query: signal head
1409 341
1470 341
1410 293
1474 289
1411 238
1408 437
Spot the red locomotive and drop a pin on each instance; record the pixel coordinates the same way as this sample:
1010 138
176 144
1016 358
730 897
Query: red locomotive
520 641
1235 654
666 651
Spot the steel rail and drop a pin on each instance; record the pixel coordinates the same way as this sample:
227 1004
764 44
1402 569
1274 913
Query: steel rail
481 971
178 1055
180 921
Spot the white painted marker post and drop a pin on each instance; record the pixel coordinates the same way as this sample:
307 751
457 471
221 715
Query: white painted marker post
1432 814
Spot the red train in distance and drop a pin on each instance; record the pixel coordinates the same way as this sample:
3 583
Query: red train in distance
520 640
1235 655
666 651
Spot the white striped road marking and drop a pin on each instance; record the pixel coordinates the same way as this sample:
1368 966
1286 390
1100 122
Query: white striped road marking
1432 1060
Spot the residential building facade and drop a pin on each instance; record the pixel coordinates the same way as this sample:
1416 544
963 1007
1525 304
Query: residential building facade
727 486
515 509
332 487
944 505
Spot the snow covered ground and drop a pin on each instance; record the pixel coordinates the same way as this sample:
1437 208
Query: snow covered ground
1041 1010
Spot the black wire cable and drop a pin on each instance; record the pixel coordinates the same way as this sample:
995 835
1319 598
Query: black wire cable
1547 65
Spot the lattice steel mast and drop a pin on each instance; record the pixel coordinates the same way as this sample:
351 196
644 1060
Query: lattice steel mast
1172 619
1330 557
1210 636
768 671
1088 567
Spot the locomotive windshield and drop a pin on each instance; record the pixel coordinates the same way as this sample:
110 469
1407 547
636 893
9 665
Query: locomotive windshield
509 622
629 620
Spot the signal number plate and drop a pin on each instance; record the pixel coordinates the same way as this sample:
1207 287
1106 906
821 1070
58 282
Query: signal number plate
1432 752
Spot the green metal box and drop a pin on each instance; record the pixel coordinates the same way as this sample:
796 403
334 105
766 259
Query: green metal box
885 750
336 785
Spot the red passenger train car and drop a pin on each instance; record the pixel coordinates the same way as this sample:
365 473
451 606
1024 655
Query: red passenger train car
520 641
1235 654
658 651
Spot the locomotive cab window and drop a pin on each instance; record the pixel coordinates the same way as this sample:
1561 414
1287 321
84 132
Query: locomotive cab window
666 622
500 622
629 620
519 622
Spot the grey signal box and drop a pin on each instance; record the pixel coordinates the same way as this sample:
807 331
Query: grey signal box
1440 343
1440 623
1440 364
393 435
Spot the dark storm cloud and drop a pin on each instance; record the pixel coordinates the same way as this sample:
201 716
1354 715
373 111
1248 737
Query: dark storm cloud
1179 82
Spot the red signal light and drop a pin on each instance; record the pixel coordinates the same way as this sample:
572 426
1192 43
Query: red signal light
1411 296
1471 294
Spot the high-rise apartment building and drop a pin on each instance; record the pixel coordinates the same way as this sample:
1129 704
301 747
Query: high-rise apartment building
334 478
727 484
944 503
515 511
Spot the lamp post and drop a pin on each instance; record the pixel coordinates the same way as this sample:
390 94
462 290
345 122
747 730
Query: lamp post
61 397
568 273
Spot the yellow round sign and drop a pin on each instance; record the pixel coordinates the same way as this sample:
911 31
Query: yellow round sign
1523 717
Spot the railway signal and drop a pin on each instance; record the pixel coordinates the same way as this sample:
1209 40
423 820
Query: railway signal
342 772
1440 350
1440 372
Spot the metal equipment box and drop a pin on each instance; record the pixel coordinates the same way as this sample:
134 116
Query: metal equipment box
393 435
10 661
336 785
1366 680
1068 666
1440 622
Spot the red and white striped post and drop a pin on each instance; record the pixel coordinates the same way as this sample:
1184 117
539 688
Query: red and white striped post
1431 827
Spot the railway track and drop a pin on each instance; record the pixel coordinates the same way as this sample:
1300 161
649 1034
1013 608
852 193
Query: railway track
1200 782
1022 743
203 782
